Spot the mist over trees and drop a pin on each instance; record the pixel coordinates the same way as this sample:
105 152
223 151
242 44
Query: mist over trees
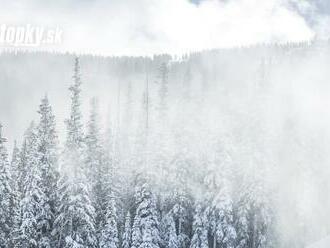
212 149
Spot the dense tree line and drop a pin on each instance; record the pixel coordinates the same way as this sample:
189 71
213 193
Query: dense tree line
129 186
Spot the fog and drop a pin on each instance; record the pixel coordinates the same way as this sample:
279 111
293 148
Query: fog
246 94
147 27
266 107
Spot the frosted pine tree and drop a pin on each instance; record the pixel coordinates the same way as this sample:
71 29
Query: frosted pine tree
199 238
220 204
14 164
253 214
32 193
146 219
96 165
19 172
48 164
22 169
172 241
127 235
136 232
6 195
75 223
93 158
109 233
245 217
15 203
224 230
241 210
182 200
260 217
222 220
169 236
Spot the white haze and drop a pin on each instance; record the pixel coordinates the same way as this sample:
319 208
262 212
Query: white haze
168 26
268 107
287 120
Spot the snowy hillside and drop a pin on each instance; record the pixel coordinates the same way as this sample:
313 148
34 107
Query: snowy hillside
222 148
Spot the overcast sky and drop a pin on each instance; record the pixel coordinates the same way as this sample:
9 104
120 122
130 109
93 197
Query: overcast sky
139 27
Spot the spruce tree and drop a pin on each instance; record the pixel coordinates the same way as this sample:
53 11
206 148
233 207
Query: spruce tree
253 215
15 204
222 225
96 166
48 166
146 219
199 238
14 164
181 209
220 204
136 232
109 233
169 236
75 223
32 193
6 195
173 241
127 235
22 165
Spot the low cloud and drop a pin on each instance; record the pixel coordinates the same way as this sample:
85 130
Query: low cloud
173 26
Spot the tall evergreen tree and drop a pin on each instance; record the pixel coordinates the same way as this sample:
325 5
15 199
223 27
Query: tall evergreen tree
75 223
22 165
136 232
146 219
96 166
14 164
199 238
169 235
75 136
127 235
48 164
181 209
253 215
109 234
15 205
32 193
20 171
220 204
6 195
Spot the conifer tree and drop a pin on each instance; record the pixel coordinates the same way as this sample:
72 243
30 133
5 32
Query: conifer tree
15 204
6 195
22 165
127 235
14 164
109 233
32 193
136 232
199 238
48 166
220 204
96 166
146 219
181 209
169 236
75 223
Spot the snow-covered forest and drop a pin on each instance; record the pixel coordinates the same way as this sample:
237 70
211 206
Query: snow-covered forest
222 148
